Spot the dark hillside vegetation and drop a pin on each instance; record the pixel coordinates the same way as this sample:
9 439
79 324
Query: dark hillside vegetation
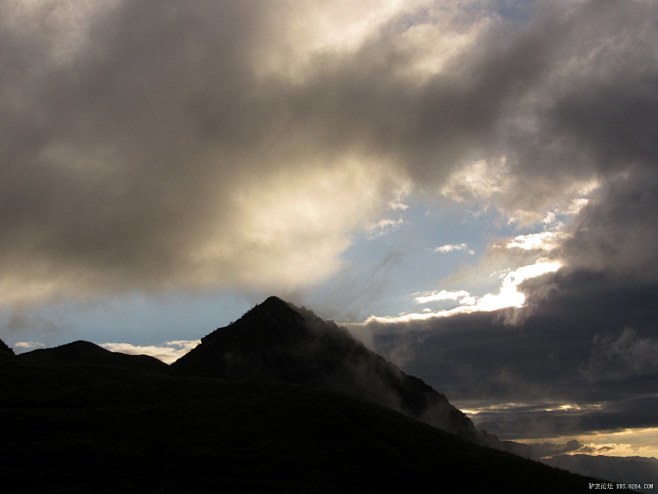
102 428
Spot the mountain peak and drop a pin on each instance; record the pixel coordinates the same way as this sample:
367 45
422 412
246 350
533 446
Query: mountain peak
273 300
276 341
275 307
272 322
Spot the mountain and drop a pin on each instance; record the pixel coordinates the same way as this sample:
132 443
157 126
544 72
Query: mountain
625 470
78 428
84 352
4 349
276 341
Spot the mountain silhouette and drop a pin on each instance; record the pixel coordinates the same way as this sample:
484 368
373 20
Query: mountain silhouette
277 341
76 427
84 352
4 349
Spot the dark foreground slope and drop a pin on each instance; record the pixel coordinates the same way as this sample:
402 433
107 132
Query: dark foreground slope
81 428
276 341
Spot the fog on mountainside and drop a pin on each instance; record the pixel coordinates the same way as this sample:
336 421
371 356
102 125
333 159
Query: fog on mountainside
278 341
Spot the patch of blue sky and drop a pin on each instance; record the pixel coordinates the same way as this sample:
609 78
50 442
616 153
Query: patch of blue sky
138 319
382 272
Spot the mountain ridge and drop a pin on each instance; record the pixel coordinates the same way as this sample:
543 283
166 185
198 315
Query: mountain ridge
278 341
82 374
87 353
105 429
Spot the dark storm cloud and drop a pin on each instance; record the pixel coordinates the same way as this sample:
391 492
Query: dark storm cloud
103 166
138 153
591 337
140 140
535 422
592 109
577 355
586 108
148 145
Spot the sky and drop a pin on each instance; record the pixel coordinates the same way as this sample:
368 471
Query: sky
470 186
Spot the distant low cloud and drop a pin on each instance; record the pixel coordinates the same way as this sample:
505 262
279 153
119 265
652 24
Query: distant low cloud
548 449
27 346
447 248
168 351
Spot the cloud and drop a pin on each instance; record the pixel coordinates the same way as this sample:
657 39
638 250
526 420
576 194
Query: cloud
548 449
586 332
509 295
633 443
168 351
384 226
588 343
621 357
544 241
27 346
478 180
447 248
458 295
150 151
20 321
217 144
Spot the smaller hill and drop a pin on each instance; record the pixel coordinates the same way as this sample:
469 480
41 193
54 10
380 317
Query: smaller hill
86 353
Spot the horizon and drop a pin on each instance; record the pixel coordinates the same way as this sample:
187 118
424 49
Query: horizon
469 187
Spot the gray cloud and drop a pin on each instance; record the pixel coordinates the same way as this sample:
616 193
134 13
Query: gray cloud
149 145
588 341
588 334
623 357
549 420
154 145
548 449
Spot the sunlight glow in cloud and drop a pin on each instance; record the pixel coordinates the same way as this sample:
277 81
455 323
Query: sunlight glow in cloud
291 228
546 241
625 443
480 180
508 295
460 295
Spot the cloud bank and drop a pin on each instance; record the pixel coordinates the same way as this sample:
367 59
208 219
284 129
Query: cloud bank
153 145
